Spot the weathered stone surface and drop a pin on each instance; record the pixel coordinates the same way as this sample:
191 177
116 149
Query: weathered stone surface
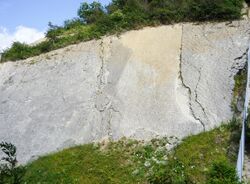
164 81
143 85
48 102
211 55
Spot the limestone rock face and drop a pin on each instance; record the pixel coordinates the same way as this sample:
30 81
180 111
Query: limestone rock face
211 56
164 81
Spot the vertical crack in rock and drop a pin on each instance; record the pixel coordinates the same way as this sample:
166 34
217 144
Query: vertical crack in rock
196 95
107 111
244 55
111 110
101 76
104 100
188 88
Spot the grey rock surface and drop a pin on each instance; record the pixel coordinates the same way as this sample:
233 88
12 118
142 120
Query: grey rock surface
211 56
164 81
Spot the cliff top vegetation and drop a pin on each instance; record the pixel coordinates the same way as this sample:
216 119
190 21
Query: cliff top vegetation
94 21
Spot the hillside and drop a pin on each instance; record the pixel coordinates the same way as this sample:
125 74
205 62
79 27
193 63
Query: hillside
135 92
141 84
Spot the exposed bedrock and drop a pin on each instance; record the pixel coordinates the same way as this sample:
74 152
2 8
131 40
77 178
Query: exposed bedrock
166 81
211 56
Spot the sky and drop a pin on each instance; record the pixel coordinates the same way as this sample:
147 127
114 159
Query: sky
27 20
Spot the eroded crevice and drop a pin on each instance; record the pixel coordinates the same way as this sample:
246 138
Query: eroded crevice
100 76
104 102
109 119
196 94
244 55
187 87
107 113
111 110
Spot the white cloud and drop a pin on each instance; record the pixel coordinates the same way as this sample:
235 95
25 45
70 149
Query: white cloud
22 34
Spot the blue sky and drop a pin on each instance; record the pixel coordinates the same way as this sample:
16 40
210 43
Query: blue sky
18 18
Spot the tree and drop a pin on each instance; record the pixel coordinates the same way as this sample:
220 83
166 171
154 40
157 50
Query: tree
90 13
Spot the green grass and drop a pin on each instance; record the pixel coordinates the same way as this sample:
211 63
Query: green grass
95 21
82 164
198 153
128 161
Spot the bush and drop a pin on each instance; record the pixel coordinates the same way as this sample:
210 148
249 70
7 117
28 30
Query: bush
9 172
17 51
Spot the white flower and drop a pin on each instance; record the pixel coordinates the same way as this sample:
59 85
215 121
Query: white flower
147 164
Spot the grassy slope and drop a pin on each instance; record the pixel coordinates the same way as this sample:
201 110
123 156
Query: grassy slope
198 153
125 161
82 164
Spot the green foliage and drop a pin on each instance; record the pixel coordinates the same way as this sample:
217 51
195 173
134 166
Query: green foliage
90 13
14 176
213 9
10 151
9 172
73 23
95 21
222 172
18 51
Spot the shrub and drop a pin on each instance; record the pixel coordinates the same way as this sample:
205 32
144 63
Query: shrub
17 51
9 172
